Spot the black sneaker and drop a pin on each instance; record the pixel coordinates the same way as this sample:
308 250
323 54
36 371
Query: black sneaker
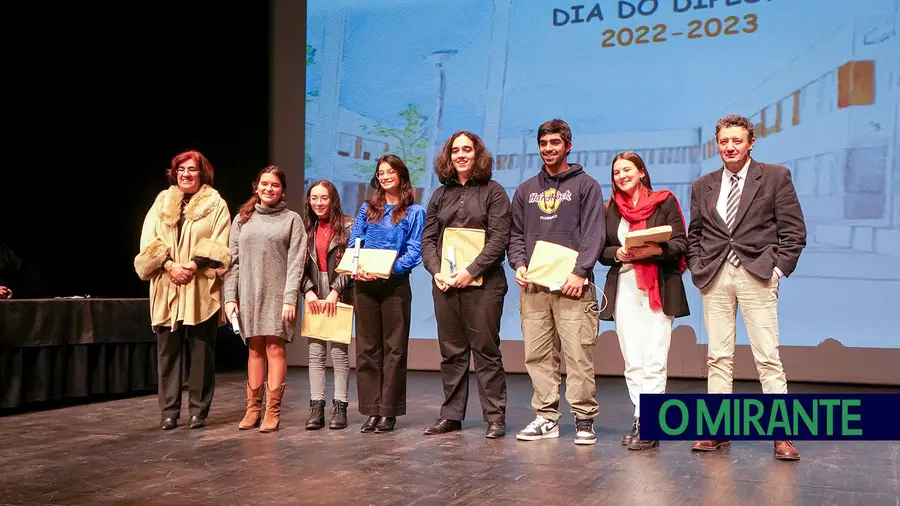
584 431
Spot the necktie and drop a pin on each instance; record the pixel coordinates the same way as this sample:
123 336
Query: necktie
734 198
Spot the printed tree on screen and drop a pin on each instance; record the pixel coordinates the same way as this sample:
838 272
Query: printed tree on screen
408 142
310 61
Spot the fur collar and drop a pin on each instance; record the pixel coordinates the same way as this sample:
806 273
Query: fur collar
168 204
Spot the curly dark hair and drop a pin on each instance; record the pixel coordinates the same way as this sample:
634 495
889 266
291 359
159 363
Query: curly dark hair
735 120
484 163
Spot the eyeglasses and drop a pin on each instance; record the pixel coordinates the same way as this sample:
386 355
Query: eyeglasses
182 170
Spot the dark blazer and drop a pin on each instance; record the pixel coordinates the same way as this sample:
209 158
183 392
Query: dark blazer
769 230
671 287
343 283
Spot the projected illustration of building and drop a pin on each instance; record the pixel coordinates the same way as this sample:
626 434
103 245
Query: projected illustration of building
837 130
830 113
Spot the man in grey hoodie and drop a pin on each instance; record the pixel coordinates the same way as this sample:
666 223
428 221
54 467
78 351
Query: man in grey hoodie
561 204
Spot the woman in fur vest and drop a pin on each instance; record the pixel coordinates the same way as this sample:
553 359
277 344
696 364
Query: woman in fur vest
184 254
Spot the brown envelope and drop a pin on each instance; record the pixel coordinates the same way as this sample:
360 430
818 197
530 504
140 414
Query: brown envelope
654 234
377 262
467 244
335 328
550 264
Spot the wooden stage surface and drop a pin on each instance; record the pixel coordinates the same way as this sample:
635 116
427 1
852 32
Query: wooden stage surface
114 453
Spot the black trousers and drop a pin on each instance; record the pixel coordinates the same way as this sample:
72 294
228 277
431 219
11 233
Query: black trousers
202 376
468 323
383 311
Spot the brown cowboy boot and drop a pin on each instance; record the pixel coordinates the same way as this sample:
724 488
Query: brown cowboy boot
254 408
272 418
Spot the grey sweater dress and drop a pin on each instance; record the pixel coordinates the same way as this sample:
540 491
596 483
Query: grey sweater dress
268 253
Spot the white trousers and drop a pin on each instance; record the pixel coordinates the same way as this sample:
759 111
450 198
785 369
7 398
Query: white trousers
644 337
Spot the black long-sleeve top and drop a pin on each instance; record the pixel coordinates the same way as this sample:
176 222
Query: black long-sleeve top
481 205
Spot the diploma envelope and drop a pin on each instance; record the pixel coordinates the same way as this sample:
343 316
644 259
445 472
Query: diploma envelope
377 262
466 245
635 238
551 264
335 328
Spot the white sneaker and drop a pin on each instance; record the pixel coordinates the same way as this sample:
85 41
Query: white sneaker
540 428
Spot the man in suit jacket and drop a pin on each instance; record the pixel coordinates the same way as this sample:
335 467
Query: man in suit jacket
746 231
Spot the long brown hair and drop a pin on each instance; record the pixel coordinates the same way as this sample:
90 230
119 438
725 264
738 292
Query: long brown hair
484 163
638 162
375 212
336 217
206 169
250 206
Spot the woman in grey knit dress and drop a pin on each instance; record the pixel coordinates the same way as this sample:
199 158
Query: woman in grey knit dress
268 249
327 229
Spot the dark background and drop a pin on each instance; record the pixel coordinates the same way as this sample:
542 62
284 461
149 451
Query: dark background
103 99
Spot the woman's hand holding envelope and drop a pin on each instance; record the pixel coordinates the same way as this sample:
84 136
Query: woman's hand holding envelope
623 254
312 302
362 275
645 250
329 305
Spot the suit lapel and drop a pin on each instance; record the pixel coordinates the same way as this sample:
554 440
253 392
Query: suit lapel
751 186
712 198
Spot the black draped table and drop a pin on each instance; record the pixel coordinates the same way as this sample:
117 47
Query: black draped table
62 349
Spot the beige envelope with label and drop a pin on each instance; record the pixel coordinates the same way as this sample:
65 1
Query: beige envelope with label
654 234
337 328
551 264
460 247
377 262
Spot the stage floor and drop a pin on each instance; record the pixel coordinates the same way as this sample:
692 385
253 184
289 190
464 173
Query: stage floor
113 452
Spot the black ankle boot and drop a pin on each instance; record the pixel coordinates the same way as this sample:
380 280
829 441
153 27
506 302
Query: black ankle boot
635 429
386 424
370 424
316 418
338 415
641 444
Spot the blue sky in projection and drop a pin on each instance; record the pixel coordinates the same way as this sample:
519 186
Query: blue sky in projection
563 71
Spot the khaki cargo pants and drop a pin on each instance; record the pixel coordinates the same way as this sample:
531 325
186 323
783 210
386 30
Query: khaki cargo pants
550 322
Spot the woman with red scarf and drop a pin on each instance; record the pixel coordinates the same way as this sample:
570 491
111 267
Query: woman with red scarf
643 284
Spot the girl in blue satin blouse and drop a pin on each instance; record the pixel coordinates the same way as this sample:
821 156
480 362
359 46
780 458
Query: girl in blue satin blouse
389 220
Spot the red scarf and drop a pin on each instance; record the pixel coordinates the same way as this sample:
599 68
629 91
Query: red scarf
646 270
